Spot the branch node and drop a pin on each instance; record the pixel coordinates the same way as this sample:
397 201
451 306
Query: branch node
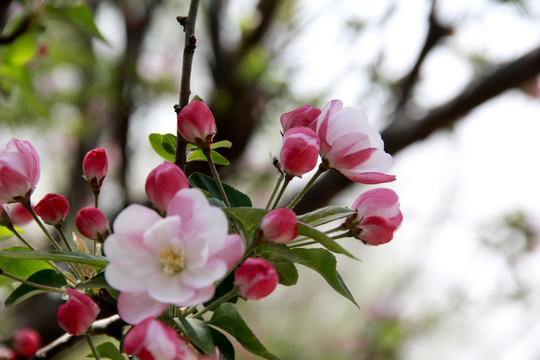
182 20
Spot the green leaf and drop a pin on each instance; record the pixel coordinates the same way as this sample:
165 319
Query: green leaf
325 215
5 233
247 217
45 277
227 318
22 50
198 333
282 258
79 16
198 155
221 144
236 198
226 349
108 351
97 282
325 263
20 269
95 261
323 239
164 145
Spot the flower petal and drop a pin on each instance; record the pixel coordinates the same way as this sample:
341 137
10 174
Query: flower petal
136 307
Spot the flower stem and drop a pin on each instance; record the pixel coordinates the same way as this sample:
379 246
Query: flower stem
75 267
207 152
92 347
28 207
30 283
283 187
232 293
278 182
322 168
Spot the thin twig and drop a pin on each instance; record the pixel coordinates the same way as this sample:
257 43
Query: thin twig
190 43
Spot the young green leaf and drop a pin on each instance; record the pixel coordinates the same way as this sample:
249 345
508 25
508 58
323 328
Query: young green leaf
5 233
203 182
45 277
325 263
198 155
282 258
107 351
164 145
323 239
227 318
324 215
96 261
18 268
79 16
97 282
247 217
198 333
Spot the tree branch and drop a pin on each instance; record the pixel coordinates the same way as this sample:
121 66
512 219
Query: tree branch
112 326
404 131
190 43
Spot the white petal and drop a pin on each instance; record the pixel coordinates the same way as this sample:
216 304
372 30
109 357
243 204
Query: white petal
135 219
161 234
213 270
169 289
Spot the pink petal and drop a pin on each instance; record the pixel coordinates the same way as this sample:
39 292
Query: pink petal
136 307
135 220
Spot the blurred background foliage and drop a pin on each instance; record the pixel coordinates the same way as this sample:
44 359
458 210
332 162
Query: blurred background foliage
79 74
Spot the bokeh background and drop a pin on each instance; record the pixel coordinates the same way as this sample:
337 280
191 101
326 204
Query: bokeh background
452 85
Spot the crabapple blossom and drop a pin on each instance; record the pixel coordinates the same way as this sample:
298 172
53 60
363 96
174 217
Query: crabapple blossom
19 171
300 151
163 182
196 123
153 340
78 313
377 216
92 223
157 261
303 116
351 146
95 167
26 342
279 226
52 209
255 278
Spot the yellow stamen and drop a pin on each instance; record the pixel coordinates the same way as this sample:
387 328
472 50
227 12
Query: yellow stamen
172 260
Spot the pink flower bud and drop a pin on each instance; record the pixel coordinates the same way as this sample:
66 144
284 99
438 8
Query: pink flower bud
152 340
52 209
279 226
26 342
377 216
19 215
95 167
303 116
19 170
163 182
78 313
300 151
91 222
255 278
7 354
196 123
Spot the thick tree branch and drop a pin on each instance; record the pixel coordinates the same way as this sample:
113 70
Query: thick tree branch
190 43
405 131
435 33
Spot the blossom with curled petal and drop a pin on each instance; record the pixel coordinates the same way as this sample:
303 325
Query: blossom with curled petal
157 261
350 145
304 116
